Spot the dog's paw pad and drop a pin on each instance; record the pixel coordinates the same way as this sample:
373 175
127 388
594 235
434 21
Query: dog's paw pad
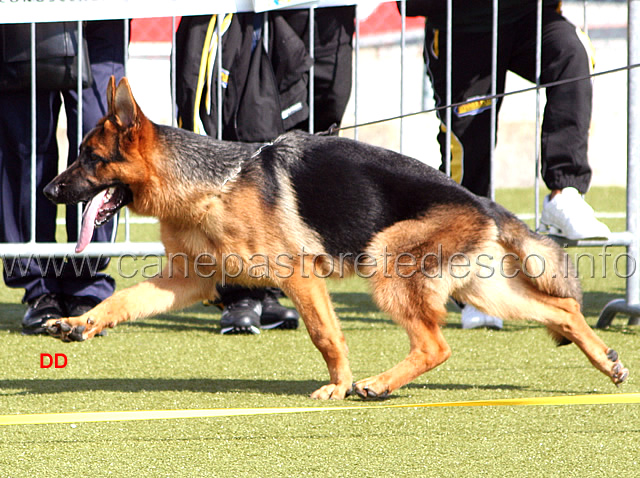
612 355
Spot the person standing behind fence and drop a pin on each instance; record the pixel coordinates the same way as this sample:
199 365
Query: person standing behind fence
53 288
566 53
265 93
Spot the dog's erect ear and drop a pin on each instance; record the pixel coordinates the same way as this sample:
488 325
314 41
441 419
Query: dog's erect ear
125 109
111 94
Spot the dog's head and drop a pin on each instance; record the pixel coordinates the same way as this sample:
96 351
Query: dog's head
108 171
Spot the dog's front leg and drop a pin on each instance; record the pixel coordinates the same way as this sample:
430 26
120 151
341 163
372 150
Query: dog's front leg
148 298
311 298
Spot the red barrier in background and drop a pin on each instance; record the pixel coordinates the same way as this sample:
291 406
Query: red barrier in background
384 19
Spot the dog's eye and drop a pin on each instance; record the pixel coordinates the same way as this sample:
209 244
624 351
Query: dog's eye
96 158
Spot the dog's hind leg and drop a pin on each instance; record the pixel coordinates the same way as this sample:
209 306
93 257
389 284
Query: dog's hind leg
411 285
420 310
569 322
517 298
311 298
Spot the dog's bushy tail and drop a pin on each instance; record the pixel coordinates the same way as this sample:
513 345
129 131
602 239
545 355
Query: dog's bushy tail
542 259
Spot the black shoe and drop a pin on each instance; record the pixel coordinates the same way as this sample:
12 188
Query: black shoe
77 306
80 305
277 316
241 317
45 307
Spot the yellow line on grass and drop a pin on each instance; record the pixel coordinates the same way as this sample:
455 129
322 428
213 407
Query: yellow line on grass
42 418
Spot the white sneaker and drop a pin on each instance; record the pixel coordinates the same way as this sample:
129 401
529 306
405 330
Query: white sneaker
473 318
568 215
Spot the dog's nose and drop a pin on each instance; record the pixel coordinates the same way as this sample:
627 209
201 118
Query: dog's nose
51 191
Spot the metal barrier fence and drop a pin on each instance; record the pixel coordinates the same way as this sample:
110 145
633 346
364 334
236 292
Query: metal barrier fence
59 10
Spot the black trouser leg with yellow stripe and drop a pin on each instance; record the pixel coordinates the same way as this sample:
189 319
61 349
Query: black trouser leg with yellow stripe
568 109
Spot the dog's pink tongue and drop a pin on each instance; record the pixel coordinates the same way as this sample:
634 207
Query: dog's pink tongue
89 221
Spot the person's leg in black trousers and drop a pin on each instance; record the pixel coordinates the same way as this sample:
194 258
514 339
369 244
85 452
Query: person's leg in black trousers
245 309
52 288
566 54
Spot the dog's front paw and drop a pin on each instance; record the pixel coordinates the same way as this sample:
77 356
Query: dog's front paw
74 329
62 329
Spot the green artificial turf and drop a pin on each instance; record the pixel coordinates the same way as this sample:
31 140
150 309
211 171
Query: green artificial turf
180 360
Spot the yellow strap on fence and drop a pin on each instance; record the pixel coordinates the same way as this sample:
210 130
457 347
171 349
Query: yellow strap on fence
40 418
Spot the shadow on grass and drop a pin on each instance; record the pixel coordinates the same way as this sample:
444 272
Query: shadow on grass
11 314
355 302
55 386
462 386
359 307
11 317
277 387
177 323
594 302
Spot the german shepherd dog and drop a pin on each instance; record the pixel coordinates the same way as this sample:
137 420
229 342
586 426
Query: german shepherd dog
305 207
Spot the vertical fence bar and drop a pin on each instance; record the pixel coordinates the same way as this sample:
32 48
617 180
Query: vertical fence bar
355 79
80 113
312 106
447 96
585 22
633 153
494 100
126 44
403 40
174 103
219 20
32 211
265 31
536 181
127 225
79 108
